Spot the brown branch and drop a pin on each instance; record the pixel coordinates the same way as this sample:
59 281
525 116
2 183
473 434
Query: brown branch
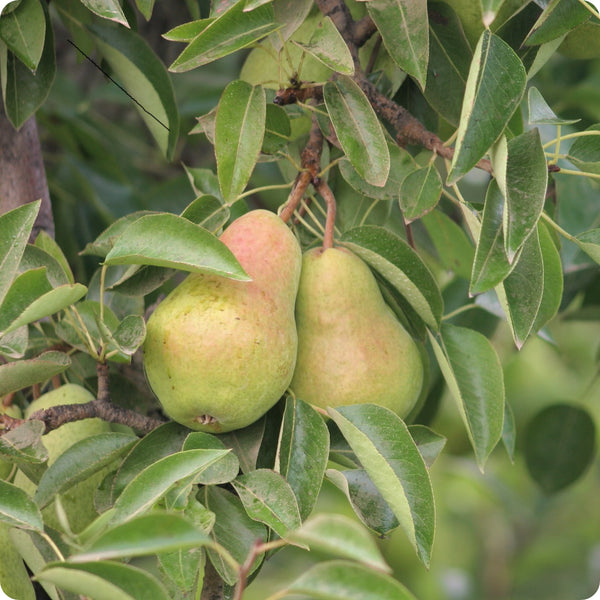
363 30
212 586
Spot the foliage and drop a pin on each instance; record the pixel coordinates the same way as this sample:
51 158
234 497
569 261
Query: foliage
478 219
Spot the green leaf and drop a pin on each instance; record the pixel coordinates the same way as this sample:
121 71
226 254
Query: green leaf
130 334
239 132
14 577
328 46
585 151
166 240
358 130
490 265
303 452
589 242
23 30
151 484
404 28
245 444
526 182
540 113
399 264
429 443
558 18
474 376
145 7
366 500
46 243
107 9
278 129
15 344
15 228
343 537
222 471
143 535
420 192
18 509
23 91
145 78
269 498
384 446
187 31
449 58
15 376
339 580
80 461
104 580
560 444
509 431
24 444
232 30
495 86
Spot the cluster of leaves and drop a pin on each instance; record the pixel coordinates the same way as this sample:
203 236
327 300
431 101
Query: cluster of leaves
186 497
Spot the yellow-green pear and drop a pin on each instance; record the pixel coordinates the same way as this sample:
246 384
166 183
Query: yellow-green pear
78 501
351 347
219 353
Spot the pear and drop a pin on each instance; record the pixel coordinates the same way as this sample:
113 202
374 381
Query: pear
351 347
219 353
78 501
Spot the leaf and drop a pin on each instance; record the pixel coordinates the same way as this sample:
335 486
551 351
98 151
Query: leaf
24 92
384 446
24 444
540 113
328 46
420 192
145 79
232 30
303 452
107 9
46 243
80 461
404 28
141 536
339 580
358 129
399 264
558 18
166 240
239 132
15 376
151 484
104 580
23 30
269 498
15 228
130 334
343 537
559 445
585 151
589 242
365 499
429 443
509 431
526 182
15 344
222 471
25 289
495 86
278 129
18 509
474 376
245 444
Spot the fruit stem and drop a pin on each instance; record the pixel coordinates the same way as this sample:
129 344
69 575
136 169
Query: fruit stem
329 198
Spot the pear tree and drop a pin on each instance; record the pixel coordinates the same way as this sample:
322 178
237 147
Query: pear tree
190 409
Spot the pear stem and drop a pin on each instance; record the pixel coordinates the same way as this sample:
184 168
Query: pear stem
327 195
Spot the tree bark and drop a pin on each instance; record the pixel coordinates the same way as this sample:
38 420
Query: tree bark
22 173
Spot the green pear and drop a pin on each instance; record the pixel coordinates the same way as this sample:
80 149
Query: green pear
78 501
351 347
6 467
219 353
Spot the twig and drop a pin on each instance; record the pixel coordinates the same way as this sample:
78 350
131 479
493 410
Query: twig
327 195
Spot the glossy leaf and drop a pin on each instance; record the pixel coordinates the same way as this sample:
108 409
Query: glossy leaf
473 374
230 31
401 266
429 443
20 374
278 129
222 471
166 240
269 498
18 509
340 536
15 227
141 536
48 244
23 30
144 77
404 28
328 46
358 130
145 7
303 452
559 445
526 182
495 86
539 111
559 17
585 151
107 9
384 446
80 461
338 580
420 191
239 132
151 484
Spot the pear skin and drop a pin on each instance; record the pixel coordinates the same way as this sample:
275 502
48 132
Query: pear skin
219 353
351 347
